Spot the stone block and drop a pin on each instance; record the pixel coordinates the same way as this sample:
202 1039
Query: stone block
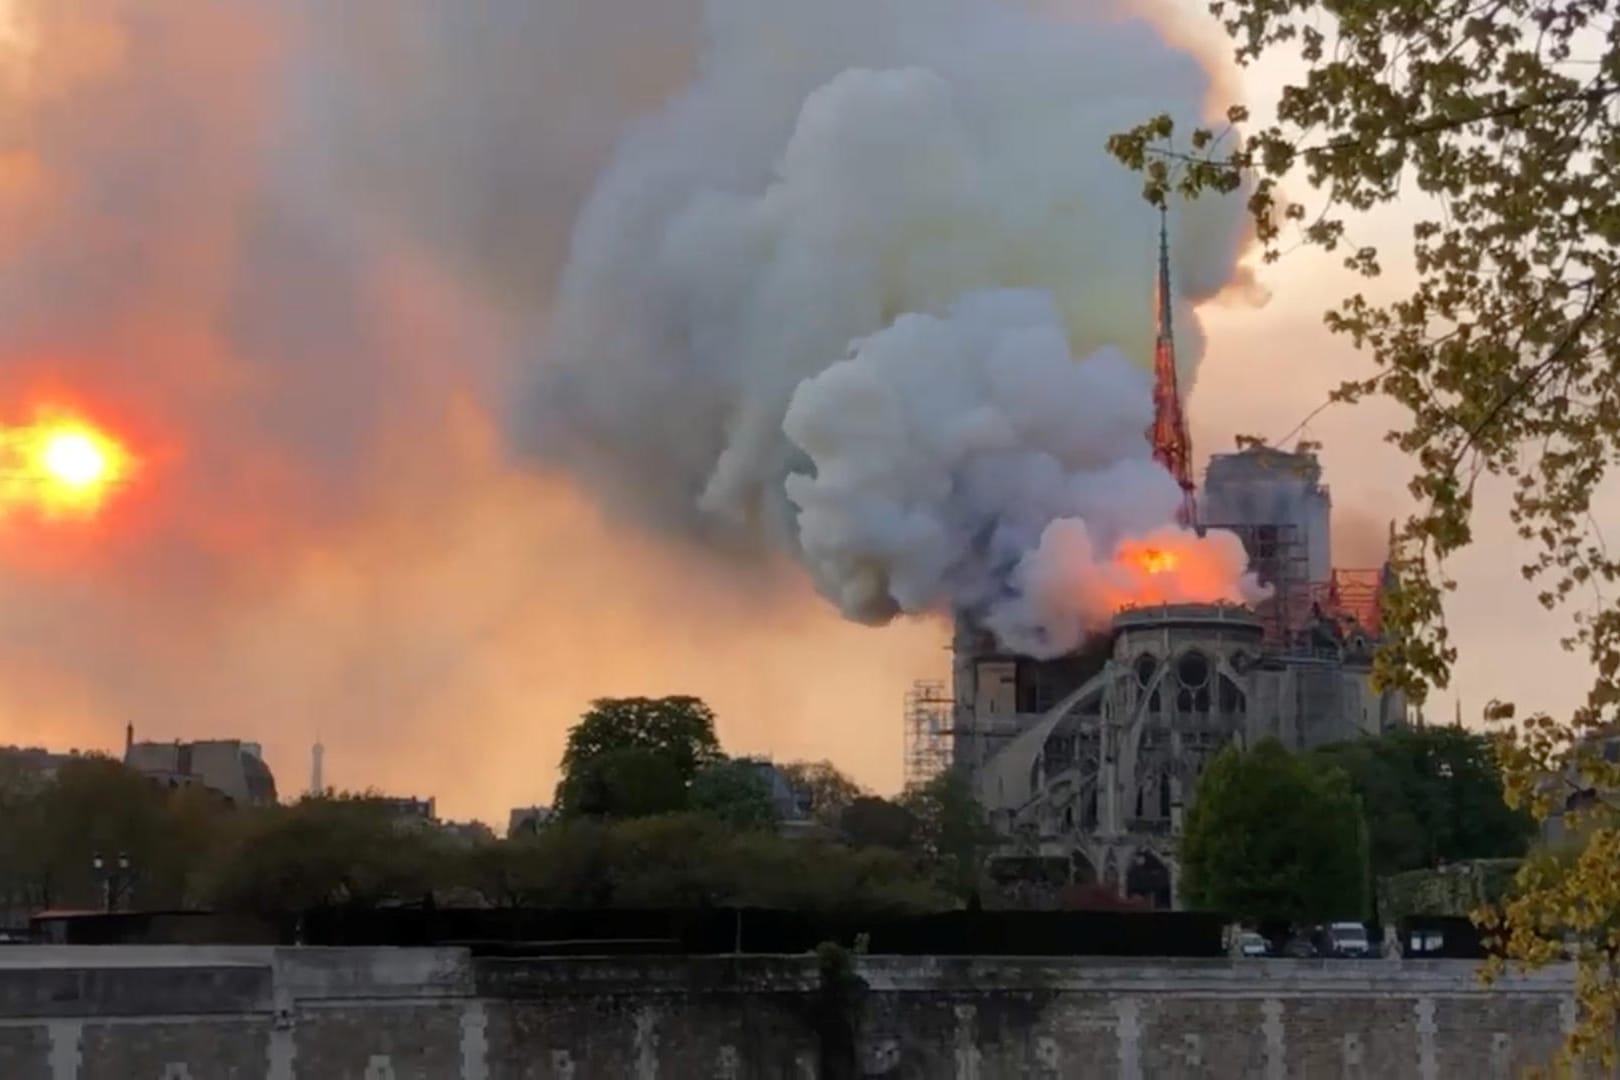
195 1048
25 1052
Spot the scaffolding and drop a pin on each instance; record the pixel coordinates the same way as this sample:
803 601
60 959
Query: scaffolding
1354 594
930 731
1279 558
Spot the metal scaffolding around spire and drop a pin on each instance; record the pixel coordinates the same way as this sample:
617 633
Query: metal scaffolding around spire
1172 447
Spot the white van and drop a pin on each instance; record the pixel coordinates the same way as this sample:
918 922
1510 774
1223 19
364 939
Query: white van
1348 939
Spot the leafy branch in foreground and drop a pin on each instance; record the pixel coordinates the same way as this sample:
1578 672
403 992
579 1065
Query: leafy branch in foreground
1495 123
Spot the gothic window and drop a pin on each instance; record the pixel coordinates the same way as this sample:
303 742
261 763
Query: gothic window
1164 795
1145 667
1231 696
1148 877
1192 670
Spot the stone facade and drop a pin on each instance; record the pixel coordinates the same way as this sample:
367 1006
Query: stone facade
1087 761
1096 788
435 1014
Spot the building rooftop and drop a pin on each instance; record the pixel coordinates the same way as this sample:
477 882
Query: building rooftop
1257 461
1236 616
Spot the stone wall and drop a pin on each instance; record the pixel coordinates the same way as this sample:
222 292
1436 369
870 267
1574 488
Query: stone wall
434 1014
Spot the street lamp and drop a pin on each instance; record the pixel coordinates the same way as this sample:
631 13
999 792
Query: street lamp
114 877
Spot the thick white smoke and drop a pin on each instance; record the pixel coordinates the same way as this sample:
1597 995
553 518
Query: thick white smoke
867 291
945 446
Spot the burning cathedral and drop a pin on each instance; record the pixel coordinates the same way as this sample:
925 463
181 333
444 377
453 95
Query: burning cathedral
1088 762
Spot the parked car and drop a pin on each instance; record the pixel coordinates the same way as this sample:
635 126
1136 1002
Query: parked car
1348 939
1252 944
1299 947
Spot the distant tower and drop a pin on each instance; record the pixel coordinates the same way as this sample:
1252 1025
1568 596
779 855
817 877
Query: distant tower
1172 447
129 740
317 782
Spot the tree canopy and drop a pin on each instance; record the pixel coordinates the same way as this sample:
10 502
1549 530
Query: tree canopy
1430 796
827 790
623 782
94 806
1271 838
1497 128
952 831
872 821
641 836
629 757
734 792
332 850
22 883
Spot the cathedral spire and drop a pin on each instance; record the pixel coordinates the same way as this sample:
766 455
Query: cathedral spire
1166 334
1172 447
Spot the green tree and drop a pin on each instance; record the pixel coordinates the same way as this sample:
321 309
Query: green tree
819 875
953 832
827 790
1271 838
1430 796
623 782
1498 125
22 855
696 860
326 850
52 830
611 751
96 806
734 792
568 864
1393 802
871 821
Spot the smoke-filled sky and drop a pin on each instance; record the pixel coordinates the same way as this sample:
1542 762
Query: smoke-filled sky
424 469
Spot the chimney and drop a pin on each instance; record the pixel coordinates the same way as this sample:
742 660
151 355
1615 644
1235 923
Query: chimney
129 740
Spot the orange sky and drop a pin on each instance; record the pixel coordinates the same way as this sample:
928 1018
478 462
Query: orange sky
334 542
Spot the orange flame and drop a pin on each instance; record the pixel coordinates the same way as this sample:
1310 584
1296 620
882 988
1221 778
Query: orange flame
1155 560
60 466
1171 566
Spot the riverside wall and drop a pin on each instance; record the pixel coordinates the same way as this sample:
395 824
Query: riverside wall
243 1013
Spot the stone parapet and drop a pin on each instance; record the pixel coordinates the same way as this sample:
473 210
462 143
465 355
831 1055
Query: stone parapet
374 1014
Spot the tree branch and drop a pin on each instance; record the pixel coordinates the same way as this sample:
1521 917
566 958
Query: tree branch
1594 305
1593 95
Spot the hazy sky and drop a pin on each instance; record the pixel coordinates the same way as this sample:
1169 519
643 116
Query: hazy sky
297 250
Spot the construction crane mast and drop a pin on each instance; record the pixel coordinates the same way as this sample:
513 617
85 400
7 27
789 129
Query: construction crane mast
1172 447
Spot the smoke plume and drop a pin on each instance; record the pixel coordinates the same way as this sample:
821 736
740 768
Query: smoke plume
299 252
867 291
293 251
